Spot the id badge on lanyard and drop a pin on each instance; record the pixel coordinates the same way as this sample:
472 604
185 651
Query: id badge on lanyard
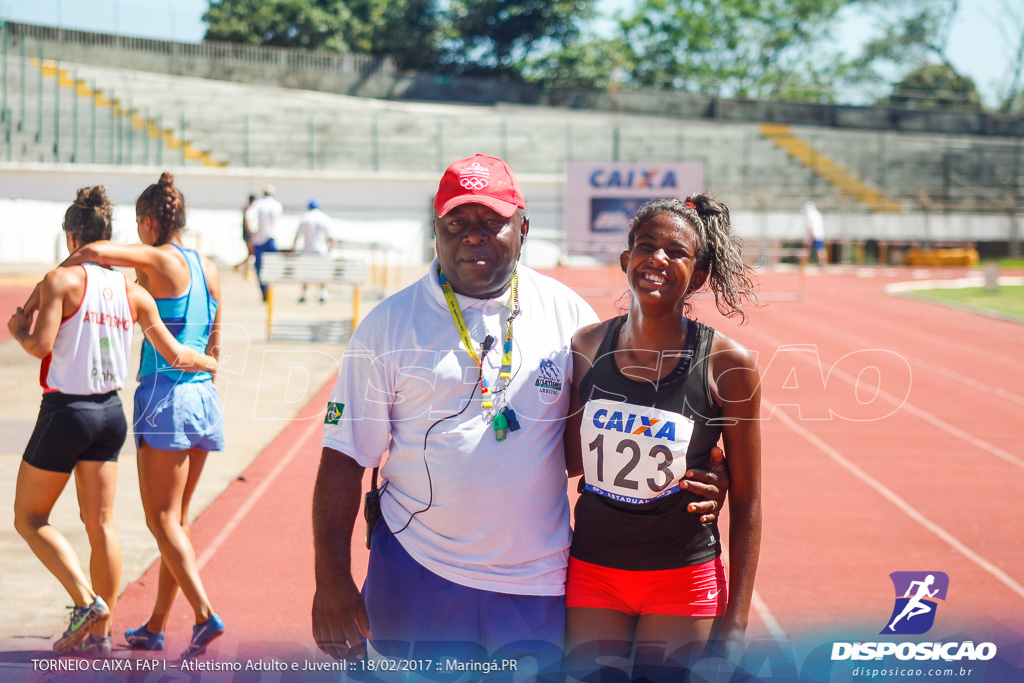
633 454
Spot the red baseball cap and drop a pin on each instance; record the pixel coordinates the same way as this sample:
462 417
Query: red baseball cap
479 180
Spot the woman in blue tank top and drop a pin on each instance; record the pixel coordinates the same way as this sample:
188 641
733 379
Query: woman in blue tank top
178 417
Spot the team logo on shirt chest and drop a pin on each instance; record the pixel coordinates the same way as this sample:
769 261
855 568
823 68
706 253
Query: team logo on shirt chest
549 379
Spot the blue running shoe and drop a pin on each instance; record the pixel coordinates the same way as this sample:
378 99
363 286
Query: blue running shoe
142 638
81 619
202 634
98 647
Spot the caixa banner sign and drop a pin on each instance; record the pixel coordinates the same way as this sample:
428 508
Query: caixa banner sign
600 199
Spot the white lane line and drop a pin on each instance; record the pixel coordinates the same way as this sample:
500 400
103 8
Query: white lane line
757 602
961 434
964 379
254 497
896 500
926 365
766 616
950 341
907 406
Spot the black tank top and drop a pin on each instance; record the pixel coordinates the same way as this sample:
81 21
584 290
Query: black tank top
628 516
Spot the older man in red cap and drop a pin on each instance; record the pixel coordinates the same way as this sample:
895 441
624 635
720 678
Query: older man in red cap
463 379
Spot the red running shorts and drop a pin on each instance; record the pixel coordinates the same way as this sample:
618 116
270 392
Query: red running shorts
697 591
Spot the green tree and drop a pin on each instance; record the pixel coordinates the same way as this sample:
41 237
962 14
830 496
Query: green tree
308 24
1010 24
935 86
495 37
595 64
746 48
911 34
407 30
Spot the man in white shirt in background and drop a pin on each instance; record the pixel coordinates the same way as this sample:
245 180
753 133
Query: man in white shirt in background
314 238
262 216
815 232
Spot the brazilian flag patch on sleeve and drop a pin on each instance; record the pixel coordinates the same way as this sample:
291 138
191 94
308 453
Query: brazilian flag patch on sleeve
334 411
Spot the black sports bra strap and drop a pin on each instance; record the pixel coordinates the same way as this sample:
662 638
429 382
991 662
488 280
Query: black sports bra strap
611 335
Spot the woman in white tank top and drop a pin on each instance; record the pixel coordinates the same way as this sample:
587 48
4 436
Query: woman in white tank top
83 337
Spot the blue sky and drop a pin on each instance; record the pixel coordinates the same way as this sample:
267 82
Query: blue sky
977 48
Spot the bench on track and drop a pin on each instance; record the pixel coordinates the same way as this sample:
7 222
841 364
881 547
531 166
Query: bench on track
281 268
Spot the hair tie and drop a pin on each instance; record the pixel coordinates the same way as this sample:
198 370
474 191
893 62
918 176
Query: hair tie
692 205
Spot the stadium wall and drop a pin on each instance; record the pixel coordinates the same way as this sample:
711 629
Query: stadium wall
377 77
389 210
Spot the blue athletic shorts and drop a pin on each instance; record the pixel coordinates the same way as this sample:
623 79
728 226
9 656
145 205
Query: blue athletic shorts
416 613
176 416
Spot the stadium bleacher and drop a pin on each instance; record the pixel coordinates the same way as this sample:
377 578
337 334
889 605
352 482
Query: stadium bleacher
260 126
85 112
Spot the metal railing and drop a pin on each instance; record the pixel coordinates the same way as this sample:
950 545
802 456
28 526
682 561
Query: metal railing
52 115
286 58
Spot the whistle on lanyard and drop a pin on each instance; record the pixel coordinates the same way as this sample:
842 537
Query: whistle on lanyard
504 422
500 425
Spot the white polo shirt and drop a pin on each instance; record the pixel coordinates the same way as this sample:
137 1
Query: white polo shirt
314 232
498 516
266 210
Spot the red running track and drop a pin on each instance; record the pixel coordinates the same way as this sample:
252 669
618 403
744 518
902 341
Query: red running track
10 299
906 455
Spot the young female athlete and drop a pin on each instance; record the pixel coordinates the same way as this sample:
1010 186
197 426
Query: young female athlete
83 335
652 393
178 417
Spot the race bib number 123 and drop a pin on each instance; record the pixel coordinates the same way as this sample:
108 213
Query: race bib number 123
631 453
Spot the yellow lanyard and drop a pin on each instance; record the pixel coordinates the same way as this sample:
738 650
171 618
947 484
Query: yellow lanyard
460 324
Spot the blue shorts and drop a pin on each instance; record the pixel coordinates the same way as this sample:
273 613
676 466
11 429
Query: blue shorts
416 613
176 416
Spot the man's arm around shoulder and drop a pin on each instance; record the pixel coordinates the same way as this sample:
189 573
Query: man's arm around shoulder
339 614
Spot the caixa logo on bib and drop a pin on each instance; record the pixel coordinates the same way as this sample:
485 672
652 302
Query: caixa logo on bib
917 594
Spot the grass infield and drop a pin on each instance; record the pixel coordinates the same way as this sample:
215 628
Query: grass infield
1007 299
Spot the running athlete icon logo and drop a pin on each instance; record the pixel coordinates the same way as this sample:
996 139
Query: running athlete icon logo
916 595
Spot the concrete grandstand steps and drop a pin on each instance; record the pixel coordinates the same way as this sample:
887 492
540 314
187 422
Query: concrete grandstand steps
267 126
247 125
821 163
59 116
944 168
277 127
